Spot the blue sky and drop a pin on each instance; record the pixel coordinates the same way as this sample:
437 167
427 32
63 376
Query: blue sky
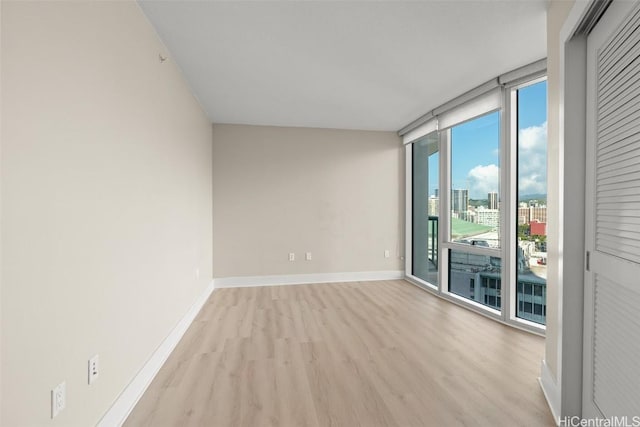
532 141
475 145
532 105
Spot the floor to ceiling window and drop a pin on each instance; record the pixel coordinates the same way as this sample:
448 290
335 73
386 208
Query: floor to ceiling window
474 210
425 181
531 260
476 178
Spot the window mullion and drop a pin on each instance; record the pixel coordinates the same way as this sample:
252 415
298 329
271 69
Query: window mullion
444 208
510 176
408 267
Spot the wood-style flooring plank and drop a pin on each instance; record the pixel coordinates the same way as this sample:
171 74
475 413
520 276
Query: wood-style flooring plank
345 354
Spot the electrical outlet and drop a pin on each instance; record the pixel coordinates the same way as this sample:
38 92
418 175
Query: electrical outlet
94 369
387 253
58 399
197 274
292 256
308 256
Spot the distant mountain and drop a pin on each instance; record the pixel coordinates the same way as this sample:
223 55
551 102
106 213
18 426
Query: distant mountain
523 198
478 202
527 197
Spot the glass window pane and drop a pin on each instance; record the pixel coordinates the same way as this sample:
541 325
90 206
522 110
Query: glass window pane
425 208
475 181
476 277
531 259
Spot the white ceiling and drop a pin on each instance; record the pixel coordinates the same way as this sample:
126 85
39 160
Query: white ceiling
346 65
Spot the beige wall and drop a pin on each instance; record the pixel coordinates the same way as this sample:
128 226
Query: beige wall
556 16
337 194
106 203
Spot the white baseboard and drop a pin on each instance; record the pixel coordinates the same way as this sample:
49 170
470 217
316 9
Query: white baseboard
124 404
550 390
301 279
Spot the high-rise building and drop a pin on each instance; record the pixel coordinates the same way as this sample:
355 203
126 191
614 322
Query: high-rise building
493 200
538 213
459 200
523 215
532 213
434 205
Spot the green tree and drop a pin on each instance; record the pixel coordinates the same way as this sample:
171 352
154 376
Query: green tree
524 231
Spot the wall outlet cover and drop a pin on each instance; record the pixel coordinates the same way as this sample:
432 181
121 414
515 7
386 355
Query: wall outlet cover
93 369
58 399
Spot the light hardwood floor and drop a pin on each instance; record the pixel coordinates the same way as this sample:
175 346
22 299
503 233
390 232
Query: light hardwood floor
347 354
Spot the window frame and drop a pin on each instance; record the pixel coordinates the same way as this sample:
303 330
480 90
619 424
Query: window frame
508 116
511 98
410 214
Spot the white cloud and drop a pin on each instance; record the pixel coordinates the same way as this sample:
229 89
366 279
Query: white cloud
483 180
532 165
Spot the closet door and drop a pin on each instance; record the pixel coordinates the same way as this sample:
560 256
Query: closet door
611 377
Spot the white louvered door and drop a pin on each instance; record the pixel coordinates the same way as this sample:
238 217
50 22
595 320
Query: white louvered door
611 376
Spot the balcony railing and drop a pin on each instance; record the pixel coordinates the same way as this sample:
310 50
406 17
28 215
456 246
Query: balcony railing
433 240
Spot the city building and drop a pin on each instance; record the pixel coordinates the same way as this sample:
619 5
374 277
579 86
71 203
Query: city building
477 277
492 198
538 213
538 228
490 217
531 298
459 201
523 215
434 206
526 214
